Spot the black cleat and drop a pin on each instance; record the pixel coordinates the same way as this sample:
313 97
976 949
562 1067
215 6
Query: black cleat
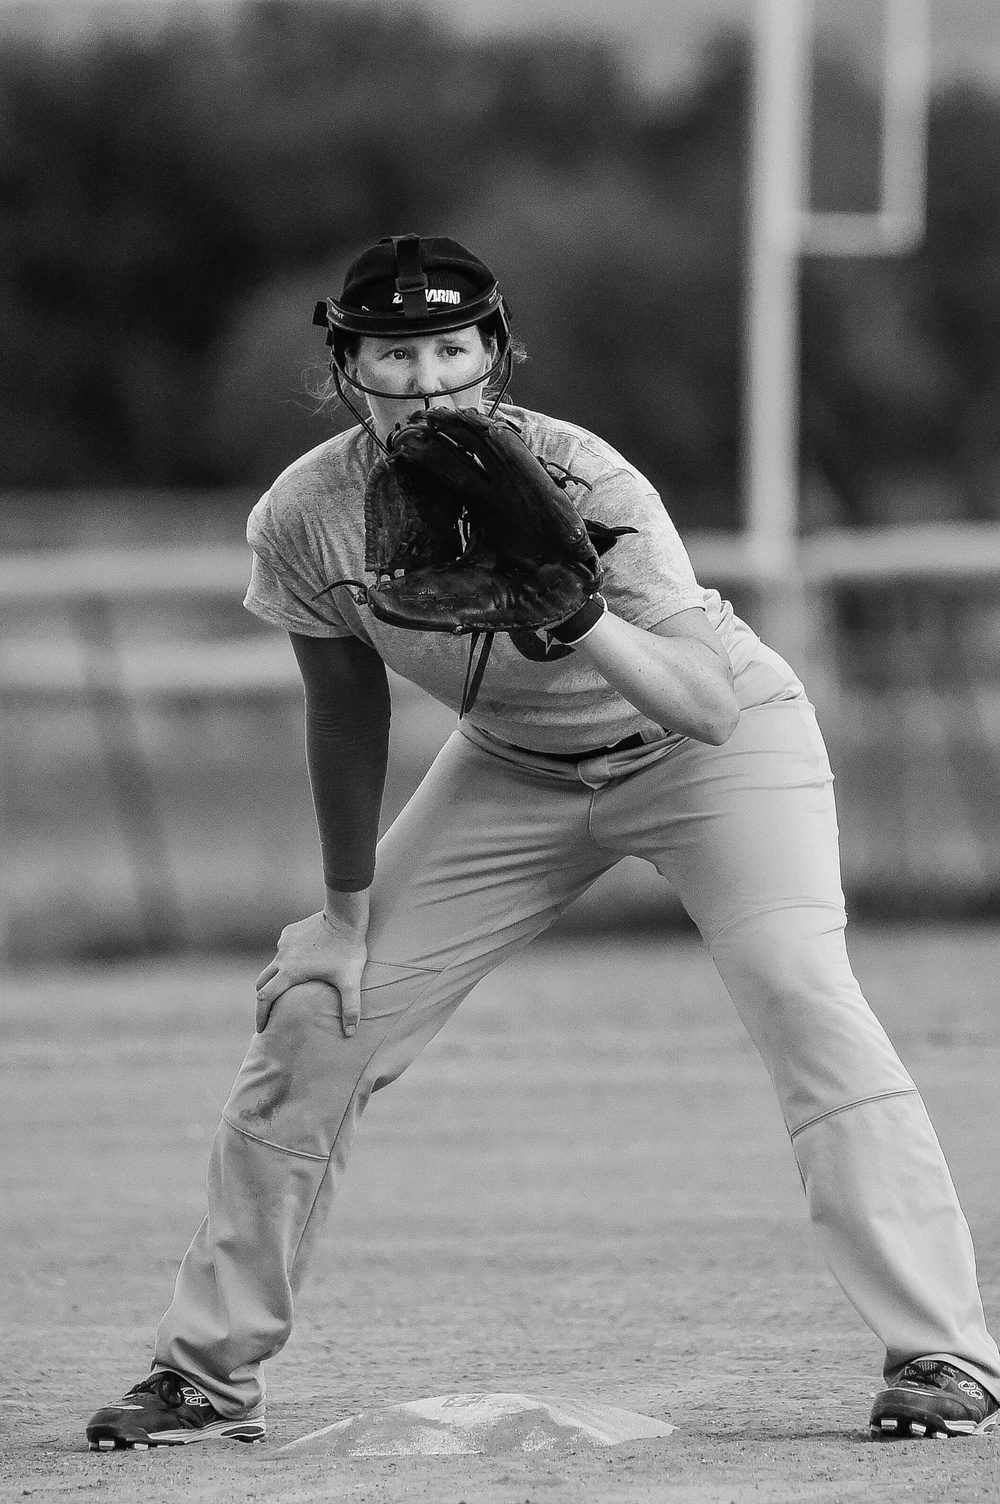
932 1398
167 1410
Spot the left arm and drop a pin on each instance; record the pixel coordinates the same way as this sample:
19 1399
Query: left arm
678 673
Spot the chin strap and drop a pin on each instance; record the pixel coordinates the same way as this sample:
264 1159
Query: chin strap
507 372
363 418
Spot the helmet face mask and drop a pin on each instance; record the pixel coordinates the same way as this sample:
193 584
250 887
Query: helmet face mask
424 286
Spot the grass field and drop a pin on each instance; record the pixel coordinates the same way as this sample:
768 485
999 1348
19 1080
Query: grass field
583 1188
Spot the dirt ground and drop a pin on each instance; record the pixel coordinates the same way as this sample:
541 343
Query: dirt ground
582 1189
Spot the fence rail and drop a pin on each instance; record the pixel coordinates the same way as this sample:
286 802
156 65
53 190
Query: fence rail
835 555
238 665
146 750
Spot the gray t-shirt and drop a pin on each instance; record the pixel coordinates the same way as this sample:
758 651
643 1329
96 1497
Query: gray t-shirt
309 530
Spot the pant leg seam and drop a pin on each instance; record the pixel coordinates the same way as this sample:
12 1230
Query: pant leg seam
882 1096
775 908
270 1144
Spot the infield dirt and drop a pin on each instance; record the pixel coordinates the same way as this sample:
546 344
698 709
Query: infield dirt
583 1188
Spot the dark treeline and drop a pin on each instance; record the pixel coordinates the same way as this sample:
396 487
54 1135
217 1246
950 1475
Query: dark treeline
171 207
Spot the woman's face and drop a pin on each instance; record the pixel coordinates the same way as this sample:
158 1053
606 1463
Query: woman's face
414 364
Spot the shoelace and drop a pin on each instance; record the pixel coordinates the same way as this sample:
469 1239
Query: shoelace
939 1375
166 1386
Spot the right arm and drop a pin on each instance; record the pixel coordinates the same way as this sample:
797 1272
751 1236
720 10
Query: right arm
347 741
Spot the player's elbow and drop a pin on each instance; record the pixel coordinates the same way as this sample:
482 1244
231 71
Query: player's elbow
719 717
721 727
704 720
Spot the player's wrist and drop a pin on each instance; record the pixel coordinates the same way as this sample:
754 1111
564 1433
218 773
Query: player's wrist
579 626
347 910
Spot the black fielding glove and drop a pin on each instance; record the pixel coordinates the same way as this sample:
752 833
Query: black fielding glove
467 531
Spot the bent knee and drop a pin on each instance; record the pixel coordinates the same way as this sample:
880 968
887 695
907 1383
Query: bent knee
787 955
306 1006
308 997
387 990
797 995
795 971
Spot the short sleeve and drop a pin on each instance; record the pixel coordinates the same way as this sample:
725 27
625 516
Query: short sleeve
648 574
278 594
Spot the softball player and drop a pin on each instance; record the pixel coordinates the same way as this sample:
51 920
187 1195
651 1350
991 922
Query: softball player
669 732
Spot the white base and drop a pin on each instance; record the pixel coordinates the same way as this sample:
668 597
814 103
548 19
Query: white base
469 1424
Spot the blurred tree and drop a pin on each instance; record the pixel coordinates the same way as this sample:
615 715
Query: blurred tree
172 204
619 247
120 264
147 186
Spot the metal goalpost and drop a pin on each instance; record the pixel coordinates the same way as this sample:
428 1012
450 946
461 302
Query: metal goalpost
782 229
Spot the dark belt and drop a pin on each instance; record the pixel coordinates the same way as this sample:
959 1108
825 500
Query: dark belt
627 745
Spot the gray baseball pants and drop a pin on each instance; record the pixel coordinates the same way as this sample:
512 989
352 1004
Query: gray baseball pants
492 848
